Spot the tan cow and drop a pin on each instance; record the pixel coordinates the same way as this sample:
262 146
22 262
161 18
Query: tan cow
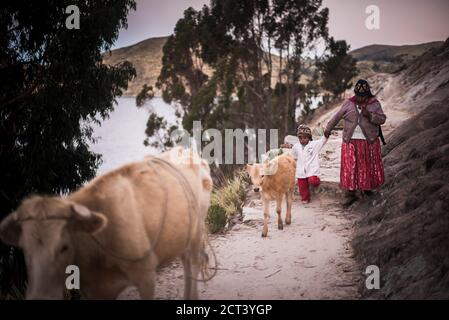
118 229
274 180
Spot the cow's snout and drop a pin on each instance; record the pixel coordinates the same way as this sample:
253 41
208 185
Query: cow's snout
256 189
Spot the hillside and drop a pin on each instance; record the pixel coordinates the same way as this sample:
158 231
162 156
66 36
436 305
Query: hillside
386 53
389 59
403 229
146 56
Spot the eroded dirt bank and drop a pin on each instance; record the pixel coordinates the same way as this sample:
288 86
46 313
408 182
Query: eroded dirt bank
404 229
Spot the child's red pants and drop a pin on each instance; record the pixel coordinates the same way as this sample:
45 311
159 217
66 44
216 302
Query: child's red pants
303 186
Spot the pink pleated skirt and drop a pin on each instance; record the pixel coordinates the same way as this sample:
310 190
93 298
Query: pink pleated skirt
361 165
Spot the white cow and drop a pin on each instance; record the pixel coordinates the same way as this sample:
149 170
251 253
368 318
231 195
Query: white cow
118 229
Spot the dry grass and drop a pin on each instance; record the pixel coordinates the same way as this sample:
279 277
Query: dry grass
227 203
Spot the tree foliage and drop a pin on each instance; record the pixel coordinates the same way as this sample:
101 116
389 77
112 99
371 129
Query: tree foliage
218 64
337 68
53 85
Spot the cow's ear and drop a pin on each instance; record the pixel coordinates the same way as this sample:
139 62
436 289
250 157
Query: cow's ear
249 166
10 229
83 219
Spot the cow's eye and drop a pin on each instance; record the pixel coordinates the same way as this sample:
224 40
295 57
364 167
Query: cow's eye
262 175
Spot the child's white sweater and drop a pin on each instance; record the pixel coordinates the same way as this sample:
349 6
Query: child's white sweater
307 160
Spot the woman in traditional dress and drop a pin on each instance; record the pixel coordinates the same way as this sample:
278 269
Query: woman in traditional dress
361 159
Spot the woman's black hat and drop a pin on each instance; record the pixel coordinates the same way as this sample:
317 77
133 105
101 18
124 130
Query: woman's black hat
362 89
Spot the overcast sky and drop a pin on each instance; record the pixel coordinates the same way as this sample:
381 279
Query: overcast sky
401 21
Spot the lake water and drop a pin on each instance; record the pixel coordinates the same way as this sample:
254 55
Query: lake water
121 136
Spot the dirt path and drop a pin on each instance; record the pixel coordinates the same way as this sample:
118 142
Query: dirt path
310 259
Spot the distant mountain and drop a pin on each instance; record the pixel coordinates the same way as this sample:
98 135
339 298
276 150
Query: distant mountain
146 56
388 59
378 52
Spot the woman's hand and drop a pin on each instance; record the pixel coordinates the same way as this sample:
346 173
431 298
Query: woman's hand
327 134
287 145
365 112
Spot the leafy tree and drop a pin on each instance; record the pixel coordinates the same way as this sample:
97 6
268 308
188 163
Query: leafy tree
157 128
337 68
53 85
145 94
219 63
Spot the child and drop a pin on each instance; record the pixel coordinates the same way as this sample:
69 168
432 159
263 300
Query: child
307 162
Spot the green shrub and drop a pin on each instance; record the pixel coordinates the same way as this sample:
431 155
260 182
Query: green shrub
216 218
227 203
